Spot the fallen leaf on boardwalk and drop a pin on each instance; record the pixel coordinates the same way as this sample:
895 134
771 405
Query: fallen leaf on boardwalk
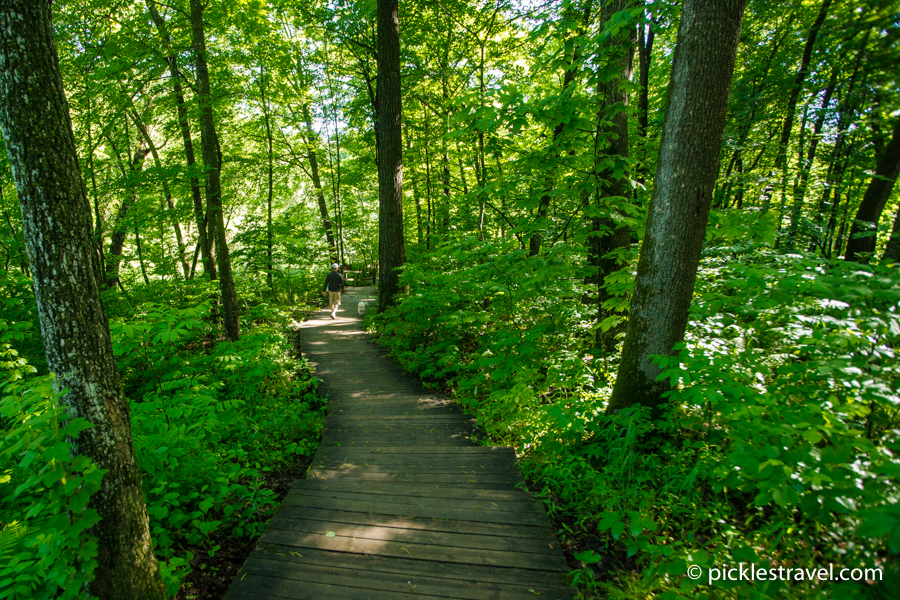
330 534
405 550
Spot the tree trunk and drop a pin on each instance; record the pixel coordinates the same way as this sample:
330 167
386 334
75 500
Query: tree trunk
799 78
98 221
182 255
270 265
416 196
686 172
317 184
536 240
429 229
807 162
892 250
120 229
863 231
391 250
615 190
645 54
37 130
646 38
204 239
212 164
140 255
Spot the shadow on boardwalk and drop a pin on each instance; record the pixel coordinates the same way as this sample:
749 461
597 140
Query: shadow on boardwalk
398 502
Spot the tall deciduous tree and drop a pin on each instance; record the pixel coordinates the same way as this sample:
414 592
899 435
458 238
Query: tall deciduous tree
34 116
203 242
391 248
608 235
862 233
209 142
686 173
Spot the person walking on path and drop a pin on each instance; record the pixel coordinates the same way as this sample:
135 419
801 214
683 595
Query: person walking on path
334 285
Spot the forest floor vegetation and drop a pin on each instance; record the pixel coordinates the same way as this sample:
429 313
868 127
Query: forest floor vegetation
220 429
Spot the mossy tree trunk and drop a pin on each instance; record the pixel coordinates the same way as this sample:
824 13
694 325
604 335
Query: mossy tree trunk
37 129
676 224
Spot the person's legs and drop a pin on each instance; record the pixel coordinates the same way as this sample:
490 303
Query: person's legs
334 299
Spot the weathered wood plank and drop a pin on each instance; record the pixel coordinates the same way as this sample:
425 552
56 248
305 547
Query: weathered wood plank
430 501
509 543
418 551
541 533
412 567
433 491
484 515
395 582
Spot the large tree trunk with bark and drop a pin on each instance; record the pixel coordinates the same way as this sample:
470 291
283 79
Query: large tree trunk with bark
676 225
204 242
863 231
37 129
391 249
212 164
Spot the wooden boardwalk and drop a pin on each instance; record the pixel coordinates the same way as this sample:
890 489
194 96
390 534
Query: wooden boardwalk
398 502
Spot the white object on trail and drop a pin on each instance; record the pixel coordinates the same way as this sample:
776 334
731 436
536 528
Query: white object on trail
363 307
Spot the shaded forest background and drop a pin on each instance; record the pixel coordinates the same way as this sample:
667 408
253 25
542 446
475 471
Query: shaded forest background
531 134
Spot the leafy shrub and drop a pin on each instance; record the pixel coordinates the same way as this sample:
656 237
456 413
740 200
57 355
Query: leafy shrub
45 551
209 418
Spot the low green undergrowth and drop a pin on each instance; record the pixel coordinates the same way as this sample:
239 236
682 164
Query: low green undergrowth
210 419
781 443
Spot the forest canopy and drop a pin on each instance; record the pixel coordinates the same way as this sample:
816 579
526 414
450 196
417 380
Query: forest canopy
500 193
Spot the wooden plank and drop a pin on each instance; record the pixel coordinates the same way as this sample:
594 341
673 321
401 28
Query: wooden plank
413 568
433 491
399 428
510 543
264 587
351 455
386 438
405 472
413 419
381 507
422 478
405 449
394 442
429 552
433 523
336 460
420 585
431 502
